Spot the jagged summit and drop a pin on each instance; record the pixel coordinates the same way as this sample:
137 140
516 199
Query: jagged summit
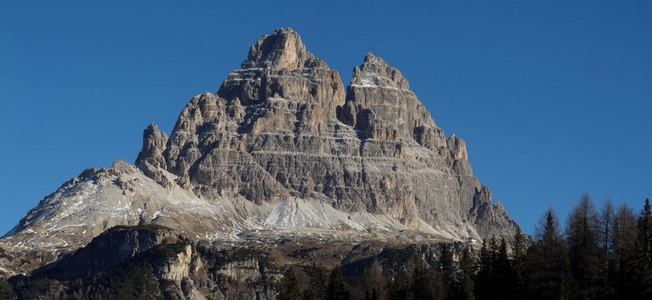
379 98
293 133
376 72
282 148
282 49
279 68
150 157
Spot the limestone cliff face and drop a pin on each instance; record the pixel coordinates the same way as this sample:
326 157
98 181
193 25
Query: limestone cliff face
280 150
382 90
280 156
282 127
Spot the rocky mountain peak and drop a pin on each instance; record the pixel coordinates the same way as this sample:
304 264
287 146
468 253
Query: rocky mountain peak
281 75
282 147
379 102
376 72
282 49
282 131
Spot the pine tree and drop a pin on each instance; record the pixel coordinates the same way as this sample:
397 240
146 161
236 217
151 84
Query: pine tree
545 260
494 249
400 288
645 250
625 234
505 281
484 285
446 267
465 283
426 282
377 282
567 289
338 289
605 245
291 286
547 231
318 284
583 247
645 232
518 261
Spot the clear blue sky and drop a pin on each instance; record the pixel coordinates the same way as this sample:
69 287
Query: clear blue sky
552 97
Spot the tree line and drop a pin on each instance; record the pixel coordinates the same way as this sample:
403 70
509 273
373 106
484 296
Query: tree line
603 253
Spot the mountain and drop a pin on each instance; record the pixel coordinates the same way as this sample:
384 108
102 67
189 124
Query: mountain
282 150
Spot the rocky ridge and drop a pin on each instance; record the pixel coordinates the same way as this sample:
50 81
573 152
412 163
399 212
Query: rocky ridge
281 126
282 148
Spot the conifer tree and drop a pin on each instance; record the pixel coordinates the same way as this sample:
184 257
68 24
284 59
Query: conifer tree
338 289
465 283
427 283
291 288
377 282
518 261
625 234
504 279
583 247
400 288
567 289
605 244
493 248
546 260
484 285
645 232
645 250
317 285
446 267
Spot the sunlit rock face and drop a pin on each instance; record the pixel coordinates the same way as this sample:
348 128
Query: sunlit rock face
282 126
281 147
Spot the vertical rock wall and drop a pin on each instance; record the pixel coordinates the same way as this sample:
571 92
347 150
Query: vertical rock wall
282 126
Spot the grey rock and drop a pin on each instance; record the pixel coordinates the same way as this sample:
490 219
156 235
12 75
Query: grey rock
281 147
150 159
281 127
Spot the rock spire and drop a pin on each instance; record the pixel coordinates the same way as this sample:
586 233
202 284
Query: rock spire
283 146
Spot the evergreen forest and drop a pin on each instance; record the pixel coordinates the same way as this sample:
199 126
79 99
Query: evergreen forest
600 253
